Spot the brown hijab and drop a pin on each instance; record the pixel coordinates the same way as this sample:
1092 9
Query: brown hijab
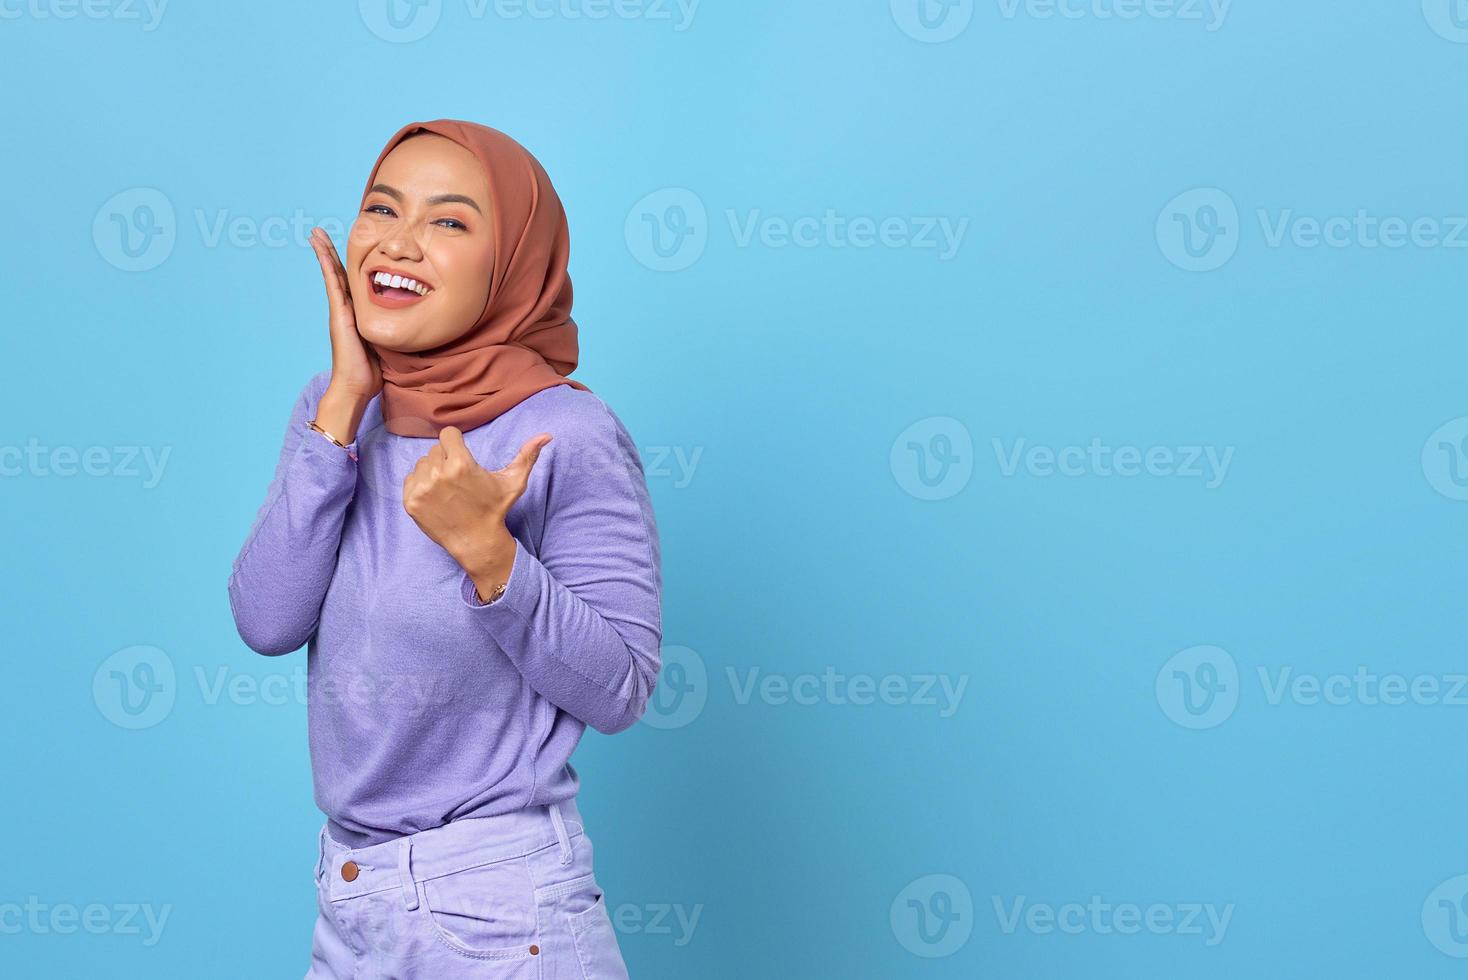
524 340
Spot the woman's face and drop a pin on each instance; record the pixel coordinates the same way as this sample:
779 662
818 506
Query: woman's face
426 218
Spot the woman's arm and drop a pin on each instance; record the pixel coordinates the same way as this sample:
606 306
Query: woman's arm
280 577
583 621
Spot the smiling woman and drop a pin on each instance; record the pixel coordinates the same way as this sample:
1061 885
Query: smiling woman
411 534
413 227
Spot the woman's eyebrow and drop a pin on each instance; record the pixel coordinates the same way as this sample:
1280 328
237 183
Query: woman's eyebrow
396 195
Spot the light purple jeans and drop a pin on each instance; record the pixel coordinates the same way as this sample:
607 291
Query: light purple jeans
508 897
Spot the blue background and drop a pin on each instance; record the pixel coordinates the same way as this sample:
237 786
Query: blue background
829 390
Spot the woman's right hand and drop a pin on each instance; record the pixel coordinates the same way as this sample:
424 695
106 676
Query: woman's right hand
356 374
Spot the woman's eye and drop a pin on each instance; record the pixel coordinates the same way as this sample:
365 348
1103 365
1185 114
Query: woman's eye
387 212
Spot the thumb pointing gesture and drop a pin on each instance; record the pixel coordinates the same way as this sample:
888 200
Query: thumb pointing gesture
460 504
524 461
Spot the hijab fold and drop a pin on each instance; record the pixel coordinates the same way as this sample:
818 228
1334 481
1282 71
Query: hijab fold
524 340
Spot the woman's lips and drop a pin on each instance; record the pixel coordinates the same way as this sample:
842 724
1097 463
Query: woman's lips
391 298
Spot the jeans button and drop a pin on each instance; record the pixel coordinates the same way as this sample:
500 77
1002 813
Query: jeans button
349 871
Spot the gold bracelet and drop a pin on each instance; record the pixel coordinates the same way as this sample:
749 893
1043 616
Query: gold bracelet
312 424
499 590
335 441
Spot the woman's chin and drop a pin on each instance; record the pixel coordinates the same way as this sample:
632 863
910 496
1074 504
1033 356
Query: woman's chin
399 337
404 334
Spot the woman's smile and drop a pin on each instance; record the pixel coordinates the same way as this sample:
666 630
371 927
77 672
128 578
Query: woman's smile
394 289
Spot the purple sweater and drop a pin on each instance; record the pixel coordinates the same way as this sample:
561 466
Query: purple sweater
424 705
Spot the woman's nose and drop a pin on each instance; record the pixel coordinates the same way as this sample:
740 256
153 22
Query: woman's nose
400 243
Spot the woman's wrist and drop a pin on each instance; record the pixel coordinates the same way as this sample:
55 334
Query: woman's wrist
340 412
490 561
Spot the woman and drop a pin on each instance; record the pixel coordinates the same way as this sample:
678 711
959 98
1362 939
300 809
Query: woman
469 607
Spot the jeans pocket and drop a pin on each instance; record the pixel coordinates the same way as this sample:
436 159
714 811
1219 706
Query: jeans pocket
487 912
585 911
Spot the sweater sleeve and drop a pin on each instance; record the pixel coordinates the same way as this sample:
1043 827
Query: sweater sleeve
582 620
280 576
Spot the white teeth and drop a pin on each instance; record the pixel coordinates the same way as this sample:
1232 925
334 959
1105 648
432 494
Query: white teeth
400 282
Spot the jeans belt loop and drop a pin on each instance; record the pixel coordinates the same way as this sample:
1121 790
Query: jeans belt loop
405 871
321 854
561 836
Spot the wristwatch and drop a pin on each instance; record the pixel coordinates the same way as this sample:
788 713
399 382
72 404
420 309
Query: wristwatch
499 590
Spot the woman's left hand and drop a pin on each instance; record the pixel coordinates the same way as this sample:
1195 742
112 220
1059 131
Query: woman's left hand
462 506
